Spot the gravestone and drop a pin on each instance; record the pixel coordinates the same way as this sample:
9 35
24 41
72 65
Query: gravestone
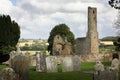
20 64
76 63
67 64
106 75
40 62
99 66
8 74
51 64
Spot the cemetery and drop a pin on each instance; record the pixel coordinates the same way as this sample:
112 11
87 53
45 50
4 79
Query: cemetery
66 60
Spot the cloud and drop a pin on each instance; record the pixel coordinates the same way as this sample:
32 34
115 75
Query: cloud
37 17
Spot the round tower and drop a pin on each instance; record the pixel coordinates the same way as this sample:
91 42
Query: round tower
92 34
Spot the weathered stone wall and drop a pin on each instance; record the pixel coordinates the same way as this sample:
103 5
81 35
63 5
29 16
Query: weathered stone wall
89 44
80 45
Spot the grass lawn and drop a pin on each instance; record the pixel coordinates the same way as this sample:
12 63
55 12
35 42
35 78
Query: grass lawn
75 75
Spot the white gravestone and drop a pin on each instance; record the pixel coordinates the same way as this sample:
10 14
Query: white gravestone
67 64
99 66
115 64
76 63
51 63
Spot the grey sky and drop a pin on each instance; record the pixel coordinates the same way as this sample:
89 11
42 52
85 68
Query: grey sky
37 17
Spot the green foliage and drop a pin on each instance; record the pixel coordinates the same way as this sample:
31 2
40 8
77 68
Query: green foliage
106 48
117 44
64 31
9 34
36 45
114 3
109 38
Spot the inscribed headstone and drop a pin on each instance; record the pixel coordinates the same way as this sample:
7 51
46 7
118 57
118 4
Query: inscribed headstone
67 64
51 63
76 63
40 62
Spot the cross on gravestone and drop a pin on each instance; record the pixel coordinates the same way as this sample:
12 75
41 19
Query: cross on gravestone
67 64
76 63
51 63
40 62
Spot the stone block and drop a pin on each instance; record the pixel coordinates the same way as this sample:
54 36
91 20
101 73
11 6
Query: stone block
67 64
106 75
40 62
76 63
51 64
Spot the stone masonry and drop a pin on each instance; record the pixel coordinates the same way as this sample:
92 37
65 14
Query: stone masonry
89 44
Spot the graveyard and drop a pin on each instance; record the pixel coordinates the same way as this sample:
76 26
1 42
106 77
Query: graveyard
73 75
62 56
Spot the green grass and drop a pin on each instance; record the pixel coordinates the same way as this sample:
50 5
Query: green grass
74 75
2 66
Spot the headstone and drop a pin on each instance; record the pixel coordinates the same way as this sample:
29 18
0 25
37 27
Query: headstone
115 64
40 62
20 64
99 66
67 64
8 74
106 75
51 63
76 63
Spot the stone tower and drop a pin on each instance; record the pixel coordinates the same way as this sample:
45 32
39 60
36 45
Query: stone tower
89 44
92 34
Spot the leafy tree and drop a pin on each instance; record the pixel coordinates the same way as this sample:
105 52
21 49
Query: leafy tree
9 36
110 38
117 44
64 31
114 3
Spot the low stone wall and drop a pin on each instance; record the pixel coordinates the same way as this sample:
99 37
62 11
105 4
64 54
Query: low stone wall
96 57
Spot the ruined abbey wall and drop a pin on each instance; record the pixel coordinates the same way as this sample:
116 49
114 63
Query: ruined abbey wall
89 44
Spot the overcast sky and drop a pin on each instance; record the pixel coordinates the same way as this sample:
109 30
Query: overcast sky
37 17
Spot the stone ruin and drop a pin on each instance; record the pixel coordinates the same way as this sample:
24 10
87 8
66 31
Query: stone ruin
89 44
61 46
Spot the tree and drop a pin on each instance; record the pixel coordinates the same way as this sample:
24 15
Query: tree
110 38
117 44
114 3
64 31
9 36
